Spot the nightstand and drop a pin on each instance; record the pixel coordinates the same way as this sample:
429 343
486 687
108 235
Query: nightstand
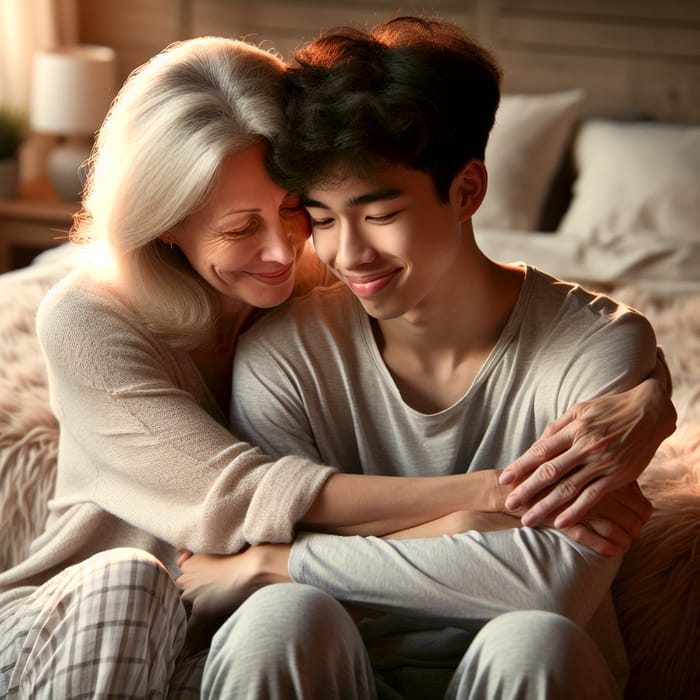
38 219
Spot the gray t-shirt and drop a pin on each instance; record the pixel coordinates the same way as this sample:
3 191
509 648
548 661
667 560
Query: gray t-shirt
309 380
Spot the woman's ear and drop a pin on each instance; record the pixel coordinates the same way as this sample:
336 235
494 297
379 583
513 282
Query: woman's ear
468 187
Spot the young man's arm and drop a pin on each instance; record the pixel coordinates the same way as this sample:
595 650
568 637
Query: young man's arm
454 580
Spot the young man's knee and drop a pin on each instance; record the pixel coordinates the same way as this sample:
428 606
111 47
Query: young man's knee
288 640
532 654
531 633
284 614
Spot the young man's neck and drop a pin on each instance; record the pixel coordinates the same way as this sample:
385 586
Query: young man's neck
434 352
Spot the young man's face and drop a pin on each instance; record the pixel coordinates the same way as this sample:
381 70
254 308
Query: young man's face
386 236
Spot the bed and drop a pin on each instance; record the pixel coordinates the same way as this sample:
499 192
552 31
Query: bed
613 204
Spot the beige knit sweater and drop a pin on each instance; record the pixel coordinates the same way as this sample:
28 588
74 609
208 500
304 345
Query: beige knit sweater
146 458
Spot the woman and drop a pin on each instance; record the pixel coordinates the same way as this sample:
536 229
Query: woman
197 239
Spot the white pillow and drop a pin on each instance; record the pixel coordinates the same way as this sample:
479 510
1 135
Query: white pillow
525 149
639 179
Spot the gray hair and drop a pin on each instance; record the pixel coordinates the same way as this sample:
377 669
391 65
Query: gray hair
155 160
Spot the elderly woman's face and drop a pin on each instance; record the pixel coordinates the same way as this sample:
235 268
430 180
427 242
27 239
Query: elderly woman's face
247 238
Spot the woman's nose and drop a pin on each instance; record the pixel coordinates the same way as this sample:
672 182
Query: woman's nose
280 244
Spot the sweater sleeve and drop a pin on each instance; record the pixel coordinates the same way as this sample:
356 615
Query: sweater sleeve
138 436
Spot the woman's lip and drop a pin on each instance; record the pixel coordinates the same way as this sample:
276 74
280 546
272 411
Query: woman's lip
367 287
273 278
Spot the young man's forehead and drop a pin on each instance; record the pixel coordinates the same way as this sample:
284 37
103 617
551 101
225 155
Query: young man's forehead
318 198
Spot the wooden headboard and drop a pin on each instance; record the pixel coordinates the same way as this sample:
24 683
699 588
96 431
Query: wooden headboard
632 56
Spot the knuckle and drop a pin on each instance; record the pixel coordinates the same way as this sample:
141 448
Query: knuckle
566 489
548 472
539 449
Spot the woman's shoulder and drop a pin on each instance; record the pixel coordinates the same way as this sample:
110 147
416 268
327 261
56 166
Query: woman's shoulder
81 293
83 315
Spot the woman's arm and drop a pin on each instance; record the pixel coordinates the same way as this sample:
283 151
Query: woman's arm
215 585
611 525
353 504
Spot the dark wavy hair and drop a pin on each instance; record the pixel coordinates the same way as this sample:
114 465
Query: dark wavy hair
413 91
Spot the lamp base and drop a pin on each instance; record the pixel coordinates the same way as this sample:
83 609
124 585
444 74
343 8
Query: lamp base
65 169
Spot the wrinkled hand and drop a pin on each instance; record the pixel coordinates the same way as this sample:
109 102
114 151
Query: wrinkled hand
596 447
614 522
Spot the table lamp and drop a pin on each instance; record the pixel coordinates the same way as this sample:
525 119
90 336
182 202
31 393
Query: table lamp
72 88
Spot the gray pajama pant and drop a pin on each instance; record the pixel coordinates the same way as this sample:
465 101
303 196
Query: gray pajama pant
114 627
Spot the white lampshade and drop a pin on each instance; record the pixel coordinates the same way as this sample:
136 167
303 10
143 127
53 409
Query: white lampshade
72 88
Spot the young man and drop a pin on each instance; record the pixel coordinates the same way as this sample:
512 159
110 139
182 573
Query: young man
430 358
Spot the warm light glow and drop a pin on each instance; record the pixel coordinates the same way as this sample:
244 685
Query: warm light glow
97 257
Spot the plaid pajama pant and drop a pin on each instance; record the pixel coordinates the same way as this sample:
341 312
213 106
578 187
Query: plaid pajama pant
112 626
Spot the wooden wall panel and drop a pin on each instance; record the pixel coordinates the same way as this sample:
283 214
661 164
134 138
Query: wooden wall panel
284 25
136 29
629 55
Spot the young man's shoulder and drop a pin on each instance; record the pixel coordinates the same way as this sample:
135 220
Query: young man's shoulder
550 293
564 317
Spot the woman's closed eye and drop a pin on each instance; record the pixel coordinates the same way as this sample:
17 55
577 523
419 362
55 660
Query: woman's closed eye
248 229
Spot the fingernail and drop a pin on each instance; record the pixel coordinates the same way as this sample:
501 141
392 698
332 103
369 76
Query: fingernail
505 478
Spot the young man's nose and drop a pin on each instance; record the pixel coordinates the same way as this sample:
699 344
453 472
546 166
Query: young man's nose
353 249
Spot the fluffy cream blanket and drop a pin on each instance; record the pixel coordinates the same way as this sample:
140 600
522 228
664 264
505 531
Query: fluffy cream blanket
657 592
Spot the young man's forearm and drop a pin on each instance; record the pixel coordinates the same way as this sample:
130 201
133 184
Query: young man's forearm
450 579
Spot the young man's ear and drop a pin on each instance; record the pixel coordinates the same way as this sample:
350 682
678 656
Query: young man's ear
468 187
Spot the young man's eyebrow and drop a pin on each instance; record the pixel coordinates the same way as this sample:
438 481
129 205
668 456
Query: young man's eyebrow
376 196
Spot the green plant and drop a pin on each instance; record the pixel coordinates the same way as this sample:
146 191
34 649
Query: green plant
13 130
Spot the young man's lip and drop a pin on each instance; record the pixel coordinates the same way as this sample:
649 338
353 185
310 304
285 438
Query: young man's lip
369 285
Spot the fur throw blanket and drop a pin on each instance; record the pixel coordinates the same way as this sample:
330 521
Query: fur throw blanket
657 592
